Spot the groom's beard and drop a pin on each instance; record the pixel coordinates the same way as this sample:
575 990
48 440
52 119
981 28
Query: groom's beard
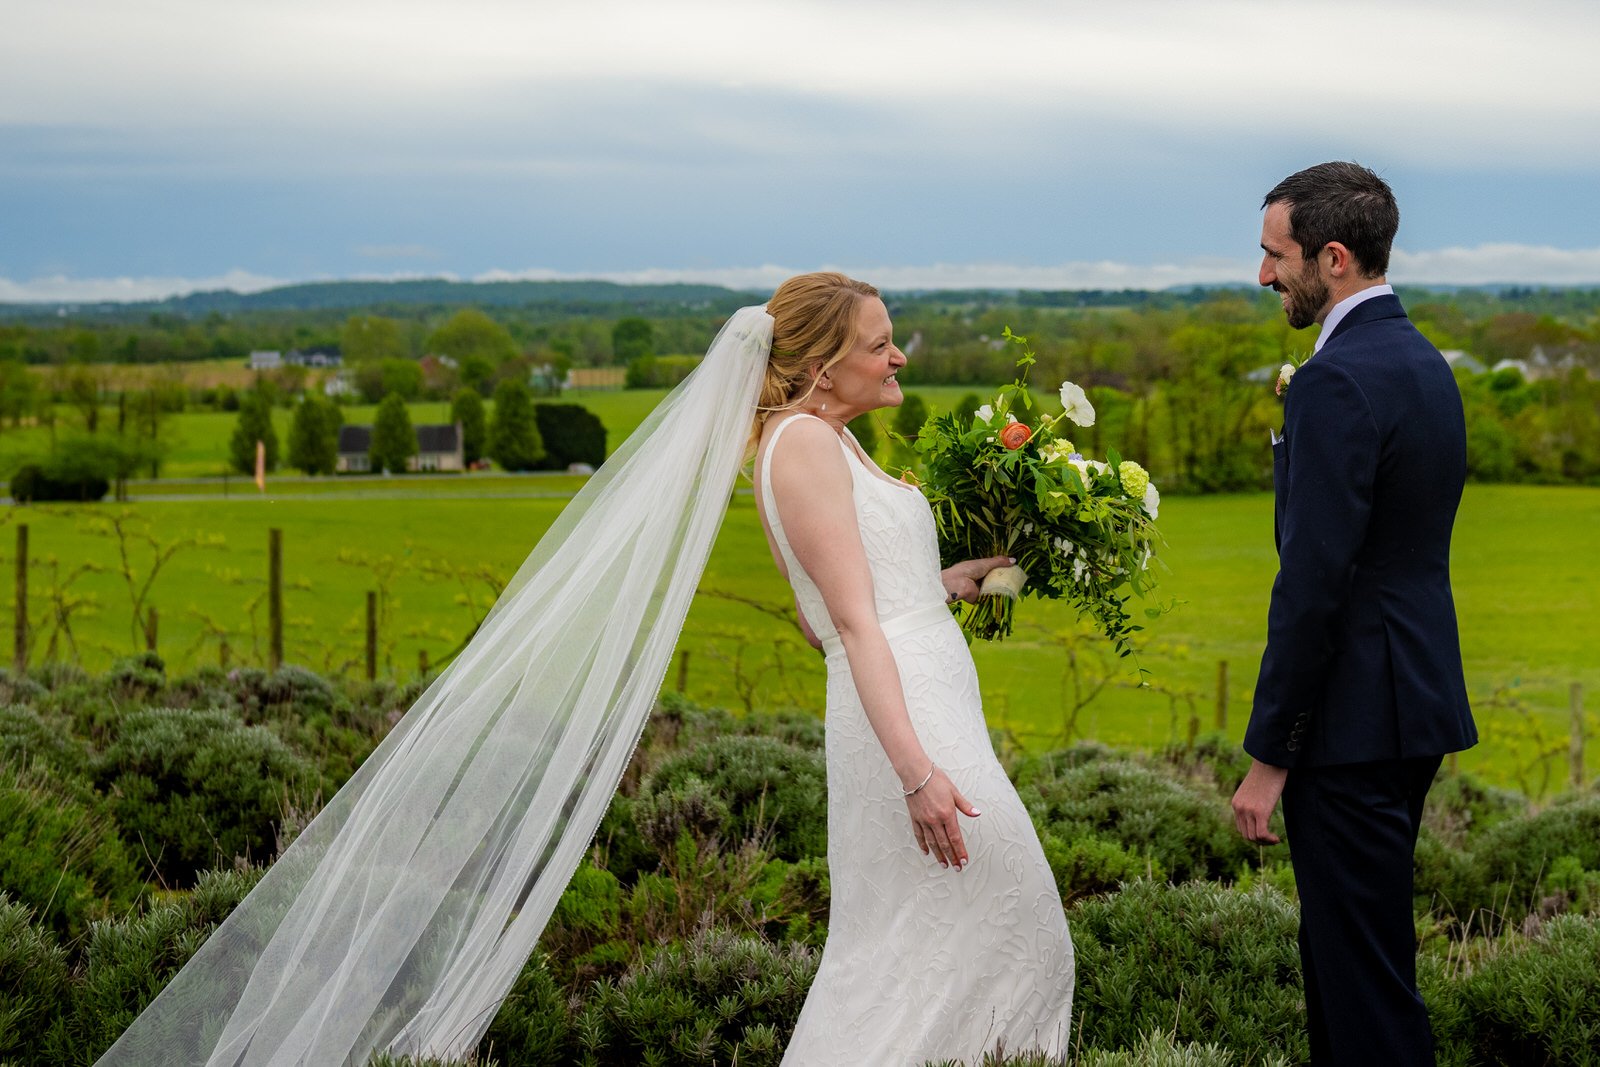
1307 296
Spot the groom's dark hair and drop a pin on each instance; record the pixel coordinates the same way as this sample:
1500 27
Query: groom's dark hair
1342 202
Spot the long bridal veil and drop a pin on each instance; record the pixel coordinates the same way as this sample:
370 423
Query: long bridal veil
400 917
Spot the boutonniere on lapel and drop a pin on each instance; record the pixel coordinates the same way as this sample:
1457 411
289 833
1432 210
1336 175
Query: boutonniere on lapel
1286 373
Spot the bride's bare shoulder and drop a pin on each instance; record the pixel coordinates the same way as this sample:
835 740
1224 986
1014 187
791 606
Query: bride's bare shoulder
806 441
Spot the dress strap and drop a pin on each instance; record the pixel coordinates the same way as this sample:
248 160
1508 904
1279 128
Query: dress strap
767 499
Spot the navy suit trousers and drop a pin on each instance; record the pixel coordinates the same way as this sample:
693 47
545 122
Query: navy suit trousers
1352 832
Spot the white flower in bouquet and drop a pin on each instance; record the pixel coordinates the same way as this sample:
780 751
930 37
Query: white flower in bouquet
984 414
1152 502
1075 404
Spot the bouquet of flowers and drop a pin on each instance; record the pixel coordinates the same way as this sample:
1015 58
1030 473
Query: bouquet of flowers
1003 481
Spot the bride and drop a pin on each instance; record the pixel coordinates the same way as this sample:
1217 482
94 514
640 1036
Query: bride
400 917
944 940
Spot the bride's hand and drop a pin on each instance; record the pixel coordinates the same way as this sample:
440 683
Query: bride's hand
961 580
933 817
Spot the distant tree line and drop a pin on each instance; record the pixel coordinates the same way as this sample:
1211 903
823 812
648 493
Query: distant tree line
1182 380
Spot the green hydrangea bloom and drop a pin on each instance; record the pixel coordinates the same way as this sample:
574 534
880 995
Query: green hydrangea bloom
1135 479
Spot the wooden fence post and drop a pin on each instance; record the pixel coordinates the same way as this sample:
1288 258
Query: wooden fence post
372 636
683 670
1577 736
151 621
422 662
19 658
1222 694
275 596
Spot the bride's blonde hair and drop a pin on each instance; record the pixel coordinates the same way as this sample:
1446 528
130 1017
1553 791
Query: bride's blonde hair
813 327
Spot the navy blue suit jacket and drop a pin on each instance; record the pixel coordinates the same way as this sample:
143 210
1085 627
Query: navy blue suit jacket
1363 658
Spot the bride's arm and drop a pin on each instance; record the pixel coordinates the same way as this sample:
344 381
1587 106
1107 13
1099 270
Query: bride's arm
811 485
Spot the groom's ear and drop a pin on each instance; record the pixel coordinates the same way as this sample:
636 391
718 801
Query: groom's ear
1339 261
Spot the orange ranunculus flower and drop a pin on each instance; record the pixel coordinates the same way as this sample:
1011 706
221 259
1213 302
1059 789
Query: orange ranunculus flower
1015 435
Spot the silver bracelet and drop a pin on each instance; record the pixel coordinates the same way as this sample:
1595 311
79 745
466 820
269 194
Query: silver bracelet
913 792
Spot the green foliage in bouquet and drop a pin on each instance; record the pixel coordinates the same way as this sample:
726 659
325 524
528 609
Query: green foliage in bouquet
1007 481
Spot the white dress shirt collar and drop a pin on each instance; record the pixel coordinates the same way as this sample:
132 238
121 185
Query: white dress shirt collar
1342 308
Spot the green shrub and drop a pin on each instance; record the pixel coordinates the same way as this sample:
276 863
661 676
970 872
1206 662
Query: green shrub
199 788
59 851
1186 831
1461 807
1197 961
34 483
138 677
581 937
34 983
127 962
534 1025
57 675
1215 758
1089 865
1533 1001
735 789
1048 766
659 372
571 434
207 687
27 740
717 998
20 688
1155 1049
1541 863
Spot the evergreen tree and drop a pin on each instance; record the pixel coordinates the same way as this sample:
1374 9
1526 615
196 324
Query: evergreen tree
467 409
514 440
254 424
314 435
393 439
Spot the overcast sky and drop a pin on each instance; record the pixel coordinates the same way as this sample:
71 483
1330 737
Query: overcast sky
157 146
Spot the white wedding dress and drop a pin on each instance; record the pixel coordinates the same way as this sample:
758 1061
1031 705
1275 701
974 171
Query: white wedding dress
922 963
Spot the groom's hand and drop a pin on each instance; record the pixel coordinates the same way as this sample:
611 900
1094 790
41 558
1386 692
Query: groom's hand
961 580
1256 798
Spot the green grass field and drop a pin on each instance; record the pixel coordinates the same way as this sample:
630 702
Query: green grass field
1525 593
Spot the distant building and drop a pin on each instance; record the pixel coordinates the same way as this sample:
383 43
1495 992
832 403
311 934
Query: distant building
315 357
1460 360
266 360
597 378
438 449
338 384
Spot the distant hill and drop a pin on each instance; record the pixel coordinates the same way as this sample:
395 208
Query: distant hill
571 296
601 299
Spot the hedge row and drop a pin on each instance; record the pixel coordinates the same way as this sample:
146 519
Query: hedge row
691 932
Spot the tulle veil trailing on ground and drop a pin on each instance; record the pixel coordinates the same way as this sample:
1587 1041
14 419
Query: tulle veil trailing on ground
402 914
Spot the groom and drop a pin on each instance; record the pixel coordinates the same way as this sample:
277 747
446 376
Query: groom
1361 690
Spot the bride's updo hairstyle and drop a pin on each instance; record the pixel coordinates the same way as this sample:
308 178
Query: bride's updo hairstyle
813 327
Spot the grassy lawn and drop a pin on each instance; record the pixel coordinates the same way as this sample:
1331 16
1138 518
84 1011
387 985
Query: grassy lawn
1526 597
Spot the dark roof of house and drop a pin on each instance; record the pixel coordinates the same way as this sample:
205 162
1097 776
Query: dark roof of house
444 438
355 439
439 438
